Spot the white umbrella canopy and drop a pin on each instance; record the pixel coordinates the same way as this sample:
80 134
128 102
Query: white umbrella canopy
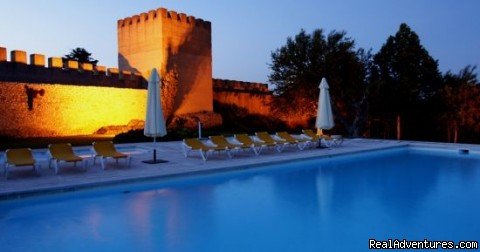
324 111
154 120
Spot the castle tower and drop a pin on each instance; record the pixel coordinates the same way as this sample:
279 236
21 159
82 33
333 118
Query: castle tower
179 46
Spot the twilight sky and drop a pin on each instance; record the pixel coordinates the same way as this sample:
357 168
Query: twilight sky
245 32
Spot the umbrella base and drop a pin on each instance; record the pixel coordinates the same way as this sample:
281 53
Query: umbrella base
154 160
157 161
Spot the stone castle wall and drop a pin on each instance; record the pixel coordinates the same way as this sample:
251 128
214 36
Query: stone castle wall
254 97
176 44
37 70
42 97
33 110
85 102
44 110
65 99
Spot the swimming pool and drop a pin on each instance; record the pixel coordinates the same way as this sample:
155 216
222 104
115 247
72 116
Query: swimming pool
335 203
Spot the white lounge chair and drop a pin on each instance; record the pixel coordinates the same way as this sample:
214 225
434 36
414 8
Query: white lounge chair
20 157
63 153
106 150
300 143
204 150
221 141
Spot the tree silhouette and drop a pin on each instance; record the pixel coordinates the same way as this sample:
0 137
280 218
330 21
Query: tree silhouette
298 66
406 77
461 104
81 55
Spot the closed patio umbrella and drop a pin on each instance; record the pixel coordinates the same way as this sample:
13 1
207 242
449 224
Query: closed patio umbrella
324 111
154 120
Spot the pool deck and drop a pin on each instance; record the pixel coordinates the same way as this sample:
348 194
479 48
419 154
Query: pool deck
22 181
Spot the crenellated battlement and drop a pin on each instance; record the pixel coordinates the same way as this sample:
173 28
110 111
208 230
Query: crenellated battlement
165 15
254 97
239 86
180 46
55 70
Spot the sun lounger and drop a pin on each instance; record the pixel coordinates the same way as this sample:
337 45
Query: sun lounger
105 150
194 144
20 157
267 138
337 140
300 143
221 141
309 134
63 152
258 145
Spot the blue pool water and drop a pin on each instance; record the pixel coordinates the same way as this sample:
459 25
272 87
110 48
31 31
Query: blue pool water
329 204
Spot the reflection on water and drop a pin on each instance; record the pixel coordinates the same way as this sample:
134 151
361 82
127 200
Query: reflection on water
163 219
325 184
398 182
298 189
94 221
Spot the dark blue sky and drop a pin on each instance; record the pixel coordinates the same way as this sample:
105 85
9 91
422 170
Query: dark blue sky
245 32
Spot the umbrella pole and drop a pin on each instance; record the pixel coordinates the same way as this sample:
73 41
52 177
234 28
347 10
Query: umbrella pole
319 134
199 130
154 160
154 149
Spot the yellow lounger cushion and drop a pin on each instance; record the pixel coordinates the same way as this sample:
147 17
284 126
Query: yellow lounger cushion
107 149
289 138
245 139
264 136
63 152
221 141
196 144
20 157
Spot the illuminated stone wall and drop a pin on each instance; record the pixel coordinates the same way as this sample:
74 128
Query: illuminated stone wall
64 110
179 46
41 97
254 97
38 69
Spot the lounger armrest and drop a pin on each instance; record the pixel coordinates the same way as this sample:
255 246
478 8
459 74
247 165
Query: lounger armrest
306 137
184 145
210 144
49 154
234 141
298 137
278 138
93 153
256 139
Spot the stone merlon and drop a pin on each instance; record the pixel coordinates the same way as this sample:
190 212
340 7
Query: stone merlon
165 14
58 71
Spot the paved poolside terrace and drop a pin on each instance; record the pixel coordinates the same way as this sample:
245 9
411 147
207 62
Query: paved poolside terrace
22 181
